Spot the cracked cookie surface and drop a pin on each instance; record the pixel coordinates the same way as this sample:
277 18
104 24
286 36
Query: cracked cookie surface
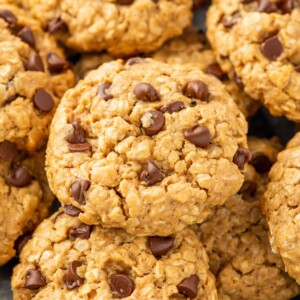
257 42
138 26
33 78
146 146
235 236
66 259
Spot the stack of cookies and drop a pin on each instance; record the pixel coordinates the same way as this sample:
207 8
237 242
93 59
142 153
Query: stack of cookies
138 124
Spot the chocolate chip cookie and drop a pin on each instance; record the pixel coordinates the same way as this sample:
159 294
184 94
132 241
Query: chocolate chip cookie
121 27
67 259
146 146
281 206
24 196
33 77
236 238
257 43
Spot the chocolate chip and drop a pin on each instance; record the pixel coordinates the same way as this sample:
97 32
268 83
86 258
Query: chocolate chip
56 24
102 91
71 279
18 177
199 136
261 163
196 89
8 150
267 6
26 35
56 64
215 70
285 6
172 107
153 174
237 80
241 157
78 136
34 279
133 61
197 4
297 69
248 188
229 22
272 48
121 284
80 147
43 100
21 242
35 63
156 123
160 246
83 231
78 189
11 98
189 286
146 92
125 2
8 17
71 210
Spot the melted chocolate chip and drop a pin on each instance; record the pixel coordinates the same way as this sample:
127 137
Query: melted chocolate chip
83 231
56 24
189 286
103 91
80 147
8 150
26 35
8 17
78 189
297 69
153 175
78 136
272 48
241 157
285 6
72 280
146 92
56 64
71 210
261 163
215 70
34 279
121 284
156 124
199 136
43 101
18 177
196 89
35 64
267 6
160 246
172 107
21 242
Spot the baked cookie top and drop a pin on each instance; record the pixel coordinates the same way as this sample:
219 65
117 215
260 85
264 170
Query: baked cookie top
67 259
25 197
281 205
121 27
235 236
146 146
257 42
33 77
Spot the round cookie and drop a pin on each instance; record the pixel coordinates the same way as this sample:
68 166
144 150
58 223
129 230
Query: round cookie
25 198
257 43
235 236
121 27
281 206
67 259
34 76
146 146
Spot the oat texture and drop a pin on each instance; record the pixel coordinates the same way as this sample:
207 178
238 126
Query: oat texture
257 42
21 121
117 151
95 25
103 253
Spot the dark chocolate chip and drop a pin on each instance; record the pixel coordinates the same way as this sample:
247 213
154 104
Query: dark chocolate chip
156 124
153 174
215 70
8 150
78 189
272 48
285 6
241 157
297 69
197 4
34 279
56 64
43 100
160 246
8 17
78 136
172 107
121 284
188 287
21 242
80 147
125 2
56 24
238 81
26 35
71 210
72 280
83 231
267 6
199 136
248 188
261 162
18 177
229 22
35 63
196 89
103 91
146 92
